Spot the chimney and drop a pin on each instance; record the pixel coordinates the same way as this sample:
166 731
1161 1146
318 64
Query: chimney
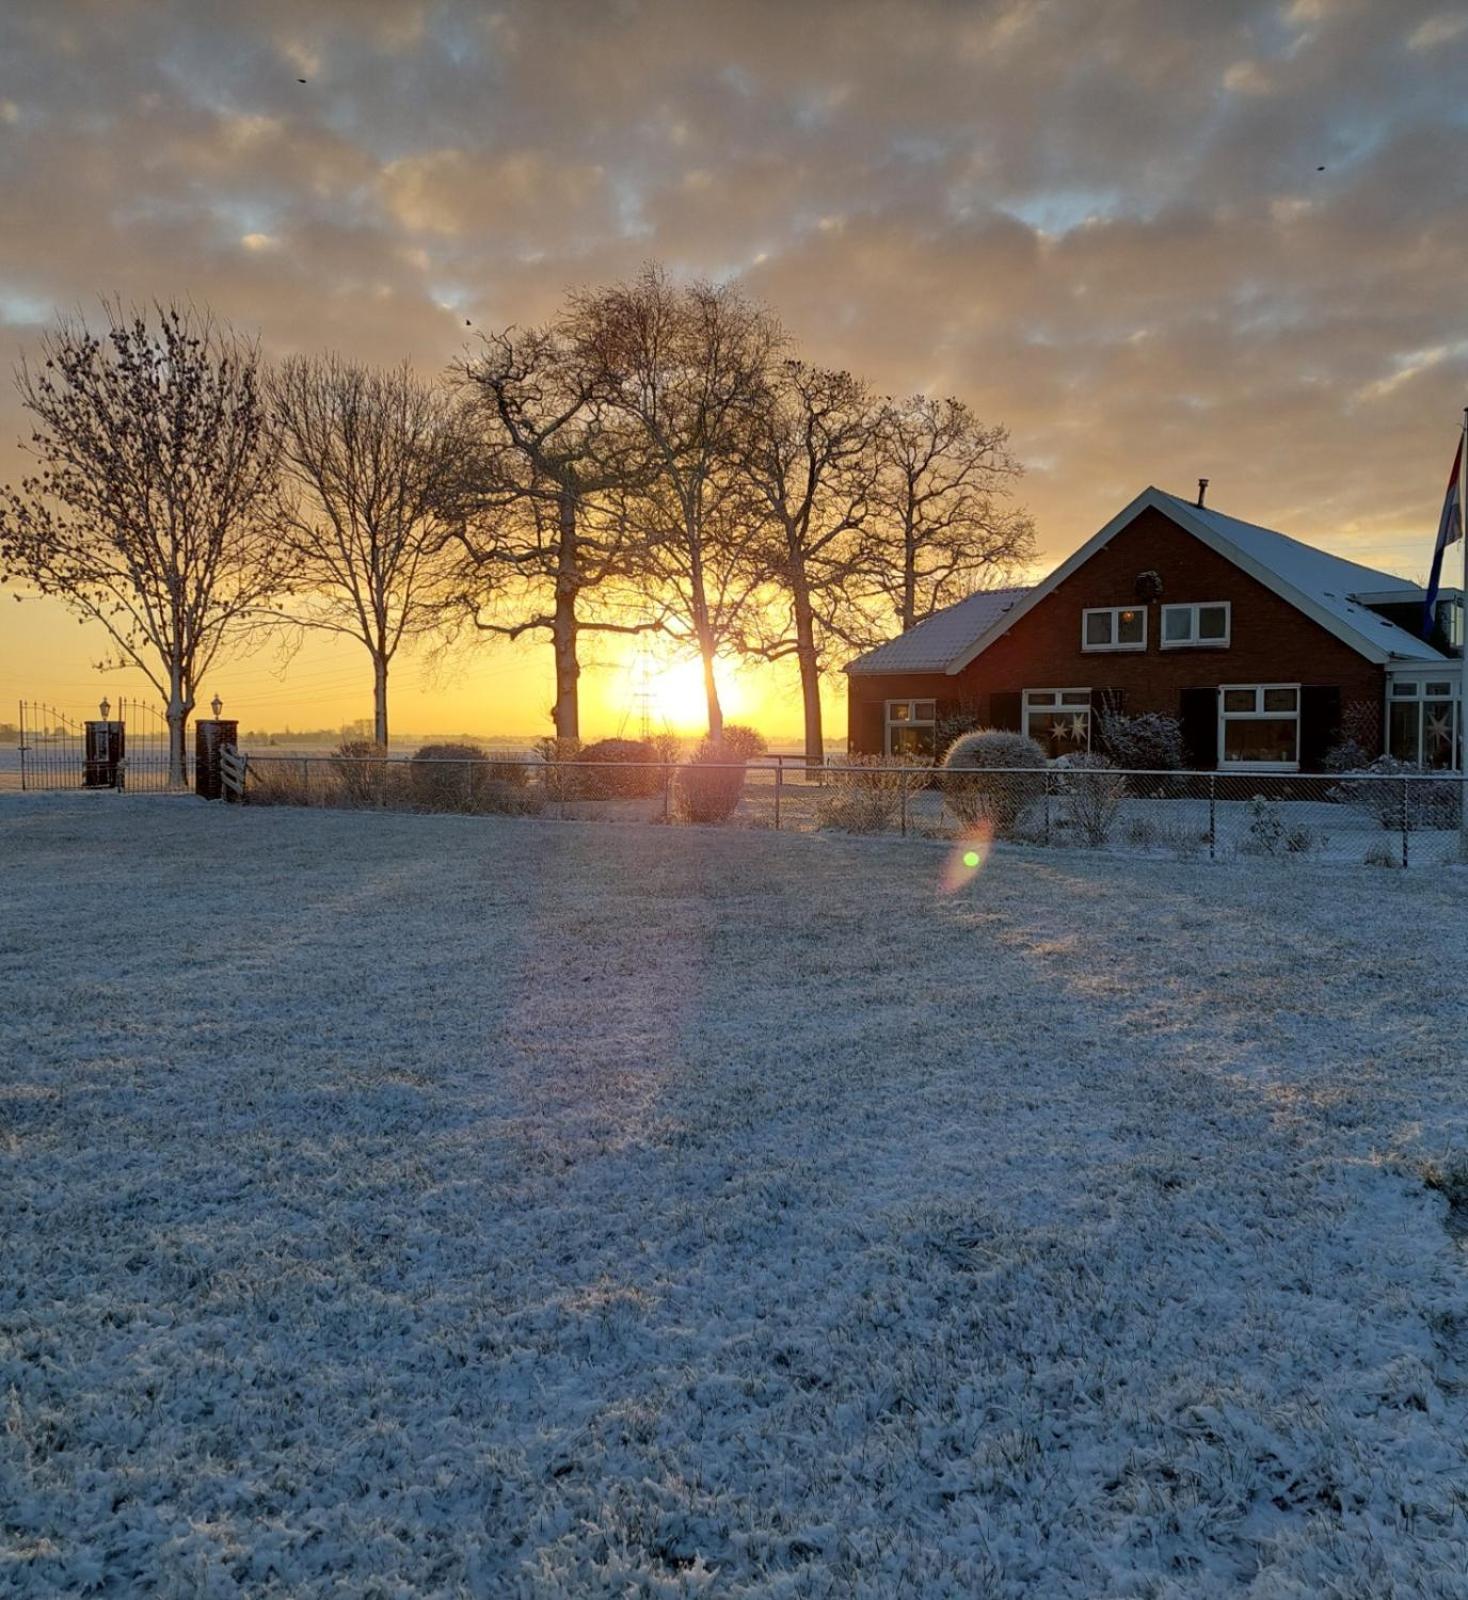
1202 489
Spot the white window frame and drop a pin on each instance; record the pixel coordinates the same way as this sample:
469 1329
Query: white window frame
1029 702
911 720
1413 691
1114 612
1258 714
1193 642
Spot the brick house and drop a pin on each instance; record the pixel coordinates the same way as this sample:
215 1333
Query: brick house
1265 649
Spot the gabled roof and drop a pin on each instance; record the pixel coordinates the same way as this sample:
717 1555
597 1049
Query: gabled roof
933 643
1317 583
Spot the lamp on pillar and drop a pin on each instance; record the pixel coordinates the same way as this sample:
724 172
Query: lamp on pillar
210 737
104 750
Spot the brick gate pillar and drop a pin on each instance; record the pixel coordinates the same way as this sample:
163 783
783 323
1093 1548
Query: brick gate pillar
211 735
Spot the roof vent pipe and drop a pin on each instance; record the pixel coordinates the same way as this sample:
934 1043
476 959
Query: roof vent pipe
1202 489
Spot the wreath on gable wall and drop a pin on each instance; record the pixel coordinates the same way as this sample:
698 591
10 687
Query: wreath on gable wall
1148 585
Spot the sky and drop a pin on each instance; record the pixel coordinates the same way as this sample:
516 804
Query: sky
1158 239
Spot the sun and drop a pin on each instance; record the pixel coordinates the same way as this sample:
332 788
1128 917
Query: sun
677 695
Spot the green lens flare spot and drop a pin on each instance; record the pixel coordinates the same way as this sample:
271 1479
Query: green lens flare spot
971 858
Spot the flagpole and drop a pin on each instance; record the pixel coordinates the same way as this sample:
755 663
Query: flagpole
1462 728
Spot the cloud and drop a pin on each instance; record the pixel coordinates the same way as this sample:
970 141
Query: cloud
1104 225
1437 30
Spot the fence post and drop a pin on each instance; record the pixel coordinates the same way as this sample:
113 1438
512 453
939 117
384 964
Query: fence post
1406 822
1212 816
779 787
1047 805
667 788
305 781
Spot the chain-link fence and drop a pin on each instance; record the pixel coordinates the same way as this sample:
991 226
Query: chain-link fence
1397 819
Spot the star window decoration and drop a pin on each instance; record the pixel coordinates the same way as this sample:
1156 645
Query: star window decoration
1439 729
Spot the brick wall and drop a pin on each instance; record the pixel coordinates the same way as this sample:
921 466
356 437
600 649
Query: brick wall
1271 642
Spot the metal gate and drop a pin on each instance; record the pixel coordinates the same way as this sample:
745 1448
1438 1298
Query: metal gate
53 751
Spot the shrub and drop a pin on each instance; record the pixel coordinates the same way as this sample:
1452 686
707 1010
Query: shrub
1381 854
710 785
628 771
1145 743
1359 733
449 777
865 793
985 778
743 742
278 781
1421 802
1347 756
507 788
667 748
1095 796
360 768
953 722
1270 833
561 781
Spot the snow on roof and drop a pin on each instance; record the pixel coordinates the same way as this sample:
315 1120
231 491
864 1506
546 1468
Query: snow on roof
1330 582
1326 587
934 642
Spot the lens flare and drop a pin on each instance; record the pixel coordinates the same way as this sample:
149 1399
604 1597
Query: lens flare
966 859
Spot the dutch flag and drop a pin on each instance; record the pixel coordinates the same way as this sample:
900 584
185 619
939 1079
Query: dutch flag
1449 531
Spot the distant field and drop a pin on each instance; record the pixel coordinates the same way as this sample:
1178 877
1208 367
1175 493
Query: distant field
460 1206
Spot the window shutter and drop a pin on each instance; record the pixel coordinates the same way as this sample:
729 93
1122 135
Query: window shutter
864 727
1198 714
1320 725
1004 711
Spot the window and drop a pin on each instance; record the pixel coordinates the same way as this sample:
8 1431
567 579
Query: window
911 727
1058 720
1259 725
1422 722
1114 628
1205 625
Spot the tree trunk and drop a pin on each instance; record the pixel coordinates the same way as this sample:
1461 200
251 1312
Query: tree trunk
567 710
564 626
711 690
180 704
379 699
810 677
705 636
909 581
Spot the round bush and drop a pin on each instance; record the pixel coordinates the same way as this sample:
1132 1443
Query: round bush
710 786
449 777
991 748
986 778
640 777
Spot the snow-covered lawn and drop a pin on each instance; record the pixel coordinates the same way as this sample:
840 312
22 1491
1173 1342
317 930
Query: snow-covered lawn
406 1206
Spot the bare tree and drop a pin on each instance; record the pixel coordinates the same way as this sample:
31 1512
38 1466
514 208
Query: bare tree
811 456
944 493
375 470
151 513
687 367
559 466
